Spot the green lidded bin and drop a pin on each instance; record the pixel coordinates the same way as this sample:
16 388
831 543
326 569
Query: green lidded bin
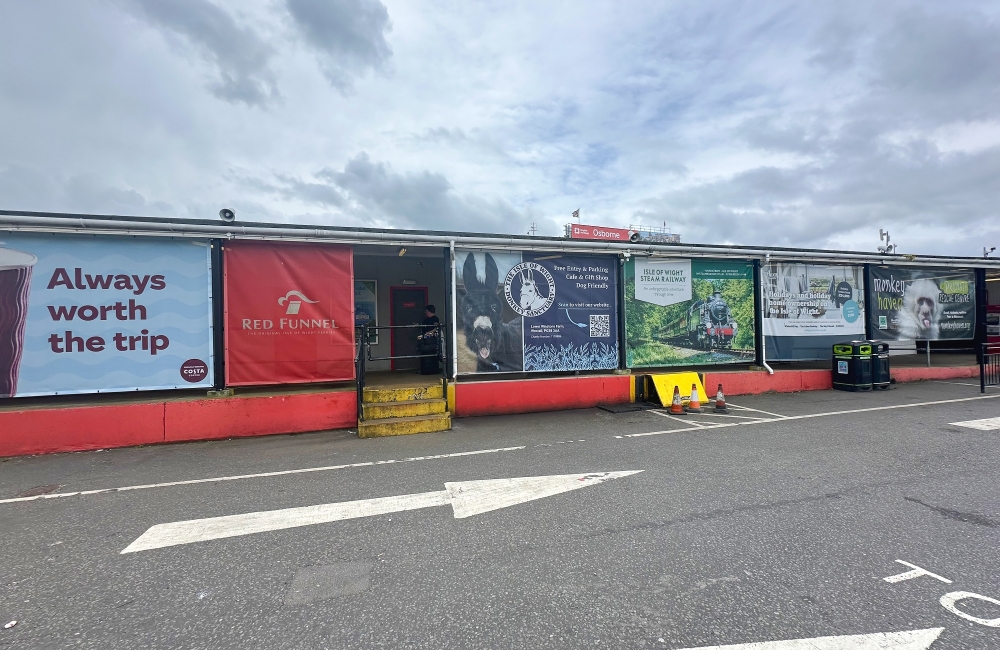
852 365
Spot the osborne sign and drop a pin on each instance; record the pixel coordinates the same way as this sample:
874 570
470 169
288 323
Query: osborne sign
580 231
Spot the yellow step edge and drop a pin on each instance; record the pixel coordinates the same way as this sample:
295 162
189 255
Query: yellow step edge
404 426
381 395
382 410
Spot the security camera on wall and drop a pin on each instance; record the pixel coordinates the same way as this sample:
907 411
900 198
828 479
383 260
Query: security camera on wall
227 215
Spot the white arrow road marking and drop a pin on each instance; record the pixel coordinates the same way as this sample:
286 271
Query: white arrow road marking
467 498
910 640
989 424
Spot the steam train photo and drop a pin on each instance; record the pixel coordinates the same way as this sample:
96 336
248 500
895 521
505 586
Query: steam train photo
708 325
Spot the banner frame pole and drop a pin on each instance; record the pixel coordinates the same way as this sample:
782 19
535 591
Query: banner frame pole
454 313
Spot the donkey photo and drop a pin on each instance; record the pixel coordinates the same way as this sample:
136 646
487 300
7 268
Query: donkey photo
496 345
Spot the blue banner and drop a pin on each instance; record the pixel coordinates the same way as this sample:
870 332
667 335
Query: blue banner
570 323
536 312
101 314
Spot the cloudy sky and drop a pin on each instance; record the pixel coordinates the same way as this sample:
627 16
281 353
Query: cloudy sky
758 122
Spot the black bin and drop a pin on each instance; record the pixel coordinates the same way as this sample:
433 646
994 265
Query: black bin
880 365
852 365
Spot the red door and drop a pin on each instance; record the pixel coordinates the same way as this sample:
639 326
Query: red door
406 307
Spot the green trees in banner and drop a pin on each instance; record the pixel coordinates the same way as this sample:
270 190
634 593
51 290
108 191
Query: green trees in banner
714 326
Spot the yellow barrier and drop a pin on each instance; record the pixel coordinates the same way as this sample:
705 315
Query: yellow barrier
682 380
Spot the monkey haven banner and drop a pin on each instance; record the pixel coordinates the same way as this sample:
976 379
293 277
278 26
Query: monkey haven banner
289 313
922 304
688 312
81 314
809 307
528 312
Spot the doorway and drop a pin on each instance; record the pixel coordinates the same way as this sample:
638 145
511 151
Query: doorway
406 307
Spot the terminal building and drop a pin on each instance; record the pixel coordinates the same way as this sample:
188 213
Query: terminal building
131 330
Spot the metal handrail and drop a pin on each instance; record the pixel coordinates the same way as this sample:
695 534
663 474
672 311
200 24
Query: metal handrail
363 354
439 334
989 366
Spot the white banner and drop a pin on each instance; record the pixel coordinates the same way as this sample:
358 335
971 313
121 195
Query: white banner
662 282
812 300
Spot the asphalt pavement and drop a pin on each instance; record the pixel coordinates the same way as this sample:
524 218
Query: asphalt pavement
779 521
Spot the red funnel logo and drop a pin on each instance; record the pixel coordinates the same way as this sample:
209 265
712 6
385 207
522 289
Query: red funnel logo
293 304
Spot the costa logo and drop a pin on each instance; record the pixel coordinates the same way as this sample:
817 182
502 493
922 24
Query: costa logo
194 370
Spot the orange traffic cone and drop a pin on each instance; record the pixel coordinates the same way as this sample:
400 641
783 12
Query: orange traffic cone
720 402
676 408
694 406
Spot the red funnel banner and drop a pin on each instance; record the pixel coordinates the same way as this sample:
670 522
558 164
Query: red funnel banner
289 313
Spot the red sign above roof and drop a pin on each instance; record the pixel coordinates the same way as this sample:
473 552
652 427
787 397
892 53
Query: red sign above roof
580 231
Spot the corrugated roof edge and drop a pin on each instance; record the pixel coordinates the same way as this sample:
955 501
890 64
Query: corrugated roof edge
233 229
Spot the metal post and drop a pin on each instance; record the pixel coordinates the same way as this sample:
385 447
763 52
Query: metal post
982 370
928 345
362 353
454 315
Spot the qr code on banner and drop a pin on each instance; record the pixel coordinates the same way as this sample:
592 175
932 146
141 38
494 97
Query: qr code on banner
600 326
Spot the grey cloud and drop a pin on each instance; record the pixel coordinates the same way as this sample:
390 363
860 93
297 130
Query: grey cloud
348 34
371 193
241 57
816 204
930 54
24 187
314 193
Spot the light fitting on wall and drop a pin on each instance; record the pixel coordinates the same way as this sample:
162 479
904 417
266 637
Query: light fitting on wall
402 251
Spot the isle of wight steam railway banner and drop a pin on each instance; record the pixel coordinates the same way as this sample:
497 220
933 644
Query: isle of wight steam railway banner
809 307
688 312
922 304
528 312
289 313
101 314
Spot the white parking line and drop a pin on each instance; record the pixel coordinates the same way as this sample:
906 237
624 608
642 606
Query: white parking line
963 383
728 415
786 418
747 408
675 418
219 479
988 424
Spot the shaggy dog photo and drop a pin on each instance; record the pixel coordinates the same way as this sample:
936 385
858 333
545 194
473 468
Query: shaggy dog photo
919 315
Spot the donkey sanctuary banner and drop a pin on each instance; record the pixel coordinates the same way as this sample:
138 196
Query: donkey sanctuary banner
527 312
289 313
688 312
809 307
82 314
922 304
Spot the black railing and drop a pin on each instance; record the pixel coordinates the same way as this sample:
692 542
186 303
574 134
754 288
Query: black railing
989 366
363 353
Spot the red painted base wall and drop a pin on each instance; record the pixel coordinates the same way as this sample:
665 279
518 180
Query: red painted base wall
531 395
754 383
40 431
790 381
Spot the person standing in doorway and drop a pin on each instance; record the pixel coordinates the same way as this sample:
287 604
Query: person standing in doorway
428 342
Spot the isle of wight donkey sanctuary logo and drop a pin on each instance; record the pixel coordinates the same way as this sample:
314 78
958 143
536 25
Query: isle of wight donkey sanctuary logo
530 289
294 299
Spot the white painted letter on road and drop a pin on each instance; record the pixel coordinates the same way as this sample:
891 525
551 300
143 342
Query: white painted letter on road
950 602
915 573
909 640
